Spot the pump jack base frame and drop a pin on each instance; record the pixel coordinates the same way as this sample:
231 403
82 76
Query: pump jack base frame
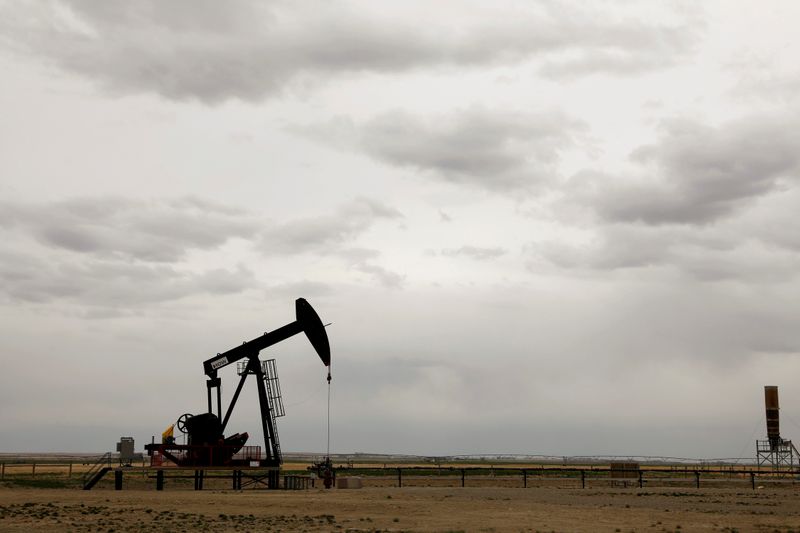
183 455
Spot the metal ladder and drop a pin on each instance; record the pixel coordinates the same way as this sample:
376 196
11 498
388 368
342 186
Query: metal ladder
274 396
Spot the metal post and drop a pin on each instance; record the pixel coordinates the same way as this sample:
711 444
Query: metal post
524 478
641 481
583 479
697 478
117 479
462 477
753 480
160 480
69 474
399 477
33 470
2 471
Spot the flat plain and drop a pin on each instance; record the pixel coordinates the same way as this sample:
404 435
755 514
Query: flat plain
437 509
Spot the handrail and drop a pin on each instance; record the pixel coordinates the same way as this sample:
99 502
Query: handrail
103 462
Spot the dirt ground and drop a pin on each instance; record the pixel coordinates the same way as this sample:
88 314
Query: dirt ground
403 509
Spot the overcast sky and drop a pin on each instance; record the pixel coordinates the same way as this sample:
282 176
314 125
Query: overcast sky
537 227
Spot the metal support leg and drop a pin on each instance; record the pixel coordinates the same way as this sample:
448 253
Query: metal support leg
117 479
160 480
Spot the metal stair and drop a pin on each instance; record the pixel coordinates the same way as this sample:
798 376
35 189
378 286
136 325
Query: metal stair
97 471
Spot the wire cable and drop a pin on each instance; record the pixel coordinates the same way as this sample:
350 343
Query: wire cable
328 450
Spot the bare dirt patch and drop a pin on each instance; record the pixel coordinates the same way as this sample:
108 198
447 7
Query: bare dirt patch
402 509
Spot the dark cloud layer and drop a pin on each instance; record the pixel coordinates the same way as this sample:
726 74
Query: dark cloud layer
710 203
729 252
213 51
501 151
111 255
159 231
110 284
490 149
333 234
698 174
326 233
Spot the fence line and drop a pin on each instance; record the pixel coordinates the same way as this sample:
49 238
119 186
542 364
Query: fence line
64 469
642 476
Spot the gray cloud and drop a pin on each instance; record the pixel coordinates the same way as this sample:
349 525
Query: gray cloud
698 174
361 260
616 247
110 284
480 253
710 203
333 234
247 50
160 231
496 150
326 233
709 255
112 255
384 276
774 220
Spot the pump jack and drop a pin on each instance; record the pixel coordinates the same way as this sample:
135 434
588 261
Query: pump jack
207 445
